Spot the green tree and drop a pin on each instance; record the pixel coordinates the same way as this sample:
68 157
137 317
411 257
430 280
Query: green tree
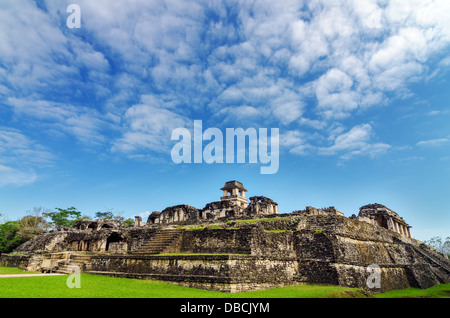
63 218
104 215
9 239
109 215
128 222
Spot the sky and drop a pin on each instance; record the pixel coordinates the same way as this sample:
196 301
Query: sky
358 90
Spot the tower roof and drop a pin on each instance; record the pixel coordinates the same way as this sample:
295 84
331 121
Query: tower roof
233 185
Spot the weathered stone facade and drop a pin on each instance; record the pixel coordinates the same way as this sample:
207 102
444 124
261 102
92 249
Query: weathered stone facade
233 203
380 215
242 252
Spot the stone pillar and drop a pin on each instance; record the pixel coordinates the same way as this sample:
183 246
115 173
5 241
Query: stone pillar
397 228
137 221
403 230
390 224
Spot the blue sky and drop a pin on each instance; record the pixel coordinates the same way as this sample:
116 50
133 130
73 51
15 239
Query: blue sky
358 90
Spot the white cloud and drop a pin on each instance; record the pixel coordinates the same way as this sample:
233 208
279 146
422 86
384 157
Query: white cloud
296 142
355 142
275 61
433 142
148 127
20 157
369 13
288 107
239 115
16 148
84 123
13 177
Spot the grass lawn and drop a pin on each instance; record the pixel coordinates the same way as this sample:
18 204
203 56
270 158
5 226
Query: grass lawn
98 286
439 291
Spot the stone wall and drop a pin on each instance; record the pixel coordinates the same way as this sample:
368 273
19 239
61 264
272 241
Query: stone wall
226 273
217 241
339 250
24 262
20 261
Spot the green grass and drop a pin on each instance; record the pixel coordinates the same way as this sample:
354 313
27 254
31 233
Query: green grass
439 291
98 286
94 286
306 291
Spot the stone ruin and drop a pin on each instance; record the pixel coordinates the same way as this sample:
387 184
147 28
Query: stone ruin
235 245
382 216
233 203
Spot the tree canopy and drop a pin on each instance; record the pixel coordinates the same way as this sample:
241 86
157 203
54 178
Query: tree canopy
63 218
9 237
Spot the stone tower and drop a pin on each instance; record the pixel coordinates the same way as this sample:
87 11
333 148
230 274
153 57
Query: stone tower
234 192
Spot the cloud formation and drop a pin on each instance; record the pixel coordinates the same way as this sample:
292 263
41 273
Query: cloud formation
137 69
19 157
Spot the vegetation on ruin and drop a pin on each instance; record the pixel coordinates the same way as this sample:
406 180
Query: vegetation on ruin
98 286
258 220
213 226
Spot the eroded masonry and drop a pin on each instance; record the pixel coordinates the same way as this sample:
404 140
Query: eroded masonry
239 244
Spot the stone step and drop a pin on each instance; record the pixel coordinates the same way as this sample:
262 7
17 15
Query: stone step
159 242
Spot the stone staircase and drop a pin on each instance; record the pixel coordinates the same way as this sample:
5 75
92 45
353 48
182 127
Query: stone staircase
66 266
160 242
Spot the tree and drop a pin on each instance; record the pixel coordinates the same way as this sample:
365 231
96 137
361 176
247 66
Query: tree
30 226
9 240
104 215
63 218
128 223
438 245
109 215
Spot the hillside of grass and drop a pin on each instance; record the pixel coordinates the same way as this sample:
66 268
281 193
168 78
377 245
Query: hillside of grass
98 286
